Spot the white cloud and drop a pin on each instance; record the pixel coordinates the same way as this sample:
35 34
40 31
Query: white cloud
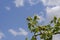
7 8
51 2
13 32
56 37
52 8
21 32
19 3
1 35
54 11
34 2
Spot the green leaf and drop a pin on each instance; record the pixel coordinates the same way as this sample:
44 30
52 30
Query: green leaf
26 38
43 28
29 26
41 36
29 18
33 38
35 17
34 22
55 19
51 21
59 20
36 30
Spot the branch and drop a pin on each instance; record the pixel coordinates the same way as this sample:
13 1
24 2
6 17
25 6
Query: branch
57 33
38 34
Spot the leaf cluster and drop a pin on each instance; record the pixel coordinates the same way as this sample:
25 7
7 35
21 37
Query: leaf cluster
44 32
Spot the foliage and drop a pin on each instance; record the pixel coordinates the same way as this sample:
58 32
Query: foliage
44 32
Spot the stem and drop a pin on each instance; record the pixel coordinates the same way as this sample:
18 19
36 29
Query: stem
57 33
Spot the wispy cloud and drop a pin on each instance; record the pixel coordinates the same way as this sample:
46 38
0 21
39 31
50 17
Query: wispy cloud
21 32
13 32
51 2
1 35
7 8
34 2
19 3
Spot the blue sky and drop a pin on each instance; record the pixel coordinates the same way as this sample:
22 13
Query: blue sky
12 17
13 14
